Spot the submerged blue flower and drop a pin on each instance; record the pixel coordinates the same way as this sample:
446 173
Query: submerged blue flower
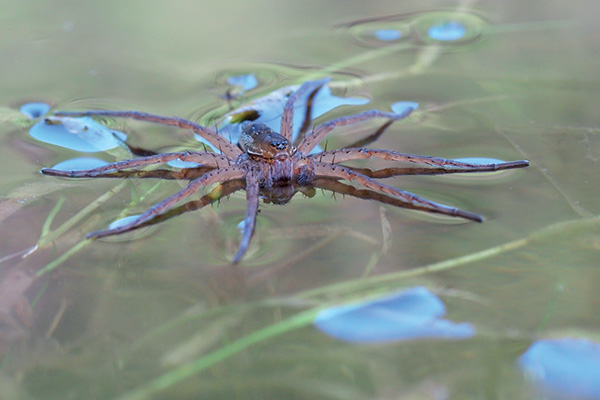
566 367
34 110
403 106
411 314
388 34
269 109
80 163
246 82
447 31
81 134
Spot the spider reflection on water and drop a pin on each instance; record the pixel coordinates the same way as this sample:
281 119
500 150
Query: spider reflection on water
268 165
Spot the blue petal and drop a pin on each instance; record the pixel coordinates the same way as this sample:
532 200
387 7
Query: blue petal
34 110
566 366
388 34
480 160
403 106
182 164
246 82
447 31
81 134
410 314
122 221
270 108
79 164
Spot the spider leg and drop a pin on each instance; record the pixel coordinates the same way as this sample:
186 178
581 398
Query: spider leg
287 118
341 172
219 175
224 190
186 174
319 133
228 148
252 188
449 165
213 160
336 186
394 171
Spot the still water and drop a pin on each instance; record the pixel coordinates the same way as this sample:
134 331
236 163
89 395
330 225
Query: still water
160 313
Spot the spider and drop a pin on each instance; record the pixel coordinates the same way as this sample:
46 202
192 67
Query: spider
269 166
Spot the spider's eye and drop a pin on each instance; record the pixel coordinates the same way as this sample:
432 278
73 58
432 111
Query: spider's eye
279 145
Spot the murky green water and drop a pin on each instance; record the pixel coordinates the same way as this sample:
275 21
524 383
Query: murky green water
163 315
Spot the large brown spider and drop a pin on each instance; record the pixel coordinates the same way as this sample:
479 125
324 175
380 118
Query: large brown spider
266 164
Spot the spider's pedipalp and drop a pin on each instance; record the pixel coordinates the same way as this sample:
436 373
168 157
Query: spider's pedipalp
315 137
219 175
341 172
226 147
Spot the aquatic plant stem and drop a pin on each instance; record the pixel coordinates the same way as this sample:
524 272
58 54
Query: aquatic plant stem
397 277
187 370
53 264
49 236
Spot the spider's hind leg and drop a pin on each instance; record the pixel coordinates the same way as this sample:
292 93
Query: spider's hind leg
341 172
446 165
220 175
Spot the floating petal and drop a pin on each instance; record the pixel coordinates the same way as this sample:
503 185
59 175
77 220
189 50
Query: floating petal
245 82
388 35
268 110
566 367
447 31
402 106
79 164
35 110
411 314
182 164
81 134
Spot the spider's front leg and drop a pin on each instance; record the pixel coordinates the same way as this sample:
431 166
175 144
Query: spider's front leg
341 172
315 137
226 147
287 118
212 160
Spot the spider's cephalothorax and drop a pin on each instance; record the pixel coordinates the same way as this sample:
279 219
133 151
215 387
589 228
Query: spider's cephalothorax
267 164
259 141
267 151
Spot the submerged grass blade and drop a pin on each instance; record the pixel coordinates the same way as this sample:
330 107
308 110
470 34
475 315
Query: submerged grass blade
51 216
49 237
187 370
398 277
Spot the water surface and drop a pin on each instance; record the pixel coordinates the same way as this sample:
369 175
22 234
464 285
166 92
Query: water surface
163 315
